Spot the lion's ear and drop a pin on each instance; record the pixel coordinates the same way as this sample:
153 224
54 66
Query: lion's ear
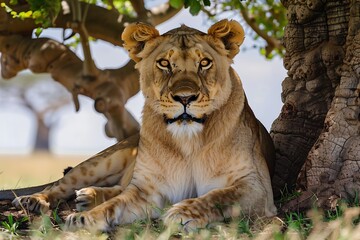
135 36
231 33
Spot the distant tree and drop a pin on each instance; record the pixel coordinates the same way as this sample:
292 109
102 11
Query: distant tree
41 97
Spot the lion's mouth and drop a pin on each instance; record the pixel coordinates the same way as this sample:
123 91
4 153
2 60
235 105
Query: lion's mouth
185 117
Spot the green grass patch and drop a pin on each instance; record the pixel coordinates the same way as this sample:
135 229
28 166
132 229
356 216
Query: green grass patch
12 225
340 223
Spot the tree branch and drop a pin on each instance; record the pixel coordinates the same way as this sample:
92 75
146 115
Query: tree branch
110 89
79 17
162 13
207 12
139 7
271 41
100 23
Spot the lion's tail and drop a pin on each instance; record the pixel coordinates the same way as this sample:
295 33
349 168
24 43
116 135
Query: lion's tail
11 194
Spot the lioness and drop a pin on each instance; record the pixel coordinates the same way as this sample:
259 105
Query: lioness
200 146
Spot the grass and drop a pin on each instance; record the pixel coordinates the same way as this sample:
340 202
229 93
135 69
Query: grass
313 225
12 226
340 223
337 224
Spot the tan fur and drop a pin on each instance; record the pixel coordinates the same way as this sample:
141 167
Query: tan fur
111 168
201 148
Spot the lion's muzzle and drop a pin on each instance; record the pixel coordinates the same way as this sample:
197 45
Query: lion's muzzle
185 100
185 117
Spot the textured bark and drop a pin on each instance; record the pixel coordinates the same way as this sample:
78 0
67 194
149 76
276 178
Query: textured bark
314 40
332 166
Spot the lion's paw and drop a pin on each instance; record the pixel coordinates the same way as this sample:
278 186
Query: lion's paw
86 199
37 203
94 222
183 219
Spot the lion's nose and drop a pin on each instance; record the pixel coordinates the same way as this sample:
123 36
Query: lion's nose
185 100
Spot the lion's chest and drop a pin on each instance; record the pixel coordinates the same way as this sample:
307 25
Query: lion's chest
188 178
177 176
183 185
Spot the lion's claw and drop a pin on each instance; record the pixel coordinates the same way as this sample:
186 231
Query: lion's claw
185 222
85 199
37 203
75 221
91 221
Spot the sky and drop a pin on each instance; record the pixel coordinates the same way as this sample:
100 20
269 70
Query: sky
83 132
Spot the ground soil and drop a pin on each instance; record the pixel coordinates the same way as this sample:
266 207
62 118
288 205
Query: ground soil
24 228
30 170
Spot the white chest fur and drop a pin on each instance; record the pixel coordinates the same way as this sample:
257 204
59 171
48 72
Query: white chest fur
193 179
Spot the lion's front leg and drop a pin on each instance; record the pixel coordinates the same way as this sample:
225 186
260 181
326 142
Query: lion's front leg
130 205
38 202
90 197
104 169
218 205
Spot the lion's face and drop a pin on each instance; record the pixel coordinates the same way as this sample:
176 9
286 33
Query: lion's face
184 76
185 84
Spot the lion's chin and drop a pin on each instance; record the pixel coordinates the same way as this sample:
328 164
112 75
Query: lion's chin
187 129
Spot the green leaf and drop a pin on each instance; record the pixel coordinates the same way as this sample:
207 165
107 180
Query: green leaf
13 2
38 31
176 3
7 8
187 3
36 14
207 3
195 7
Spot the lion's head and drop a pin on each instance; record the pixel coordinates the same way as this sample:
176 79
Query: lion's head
184 73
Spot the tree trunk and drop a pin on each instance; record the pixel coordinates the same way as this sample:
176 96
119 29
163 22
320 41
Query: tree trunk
319 122
42 136
332 167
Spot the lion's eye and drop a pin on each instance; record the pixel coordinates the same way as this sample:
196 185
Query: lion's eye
163 64
205 63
